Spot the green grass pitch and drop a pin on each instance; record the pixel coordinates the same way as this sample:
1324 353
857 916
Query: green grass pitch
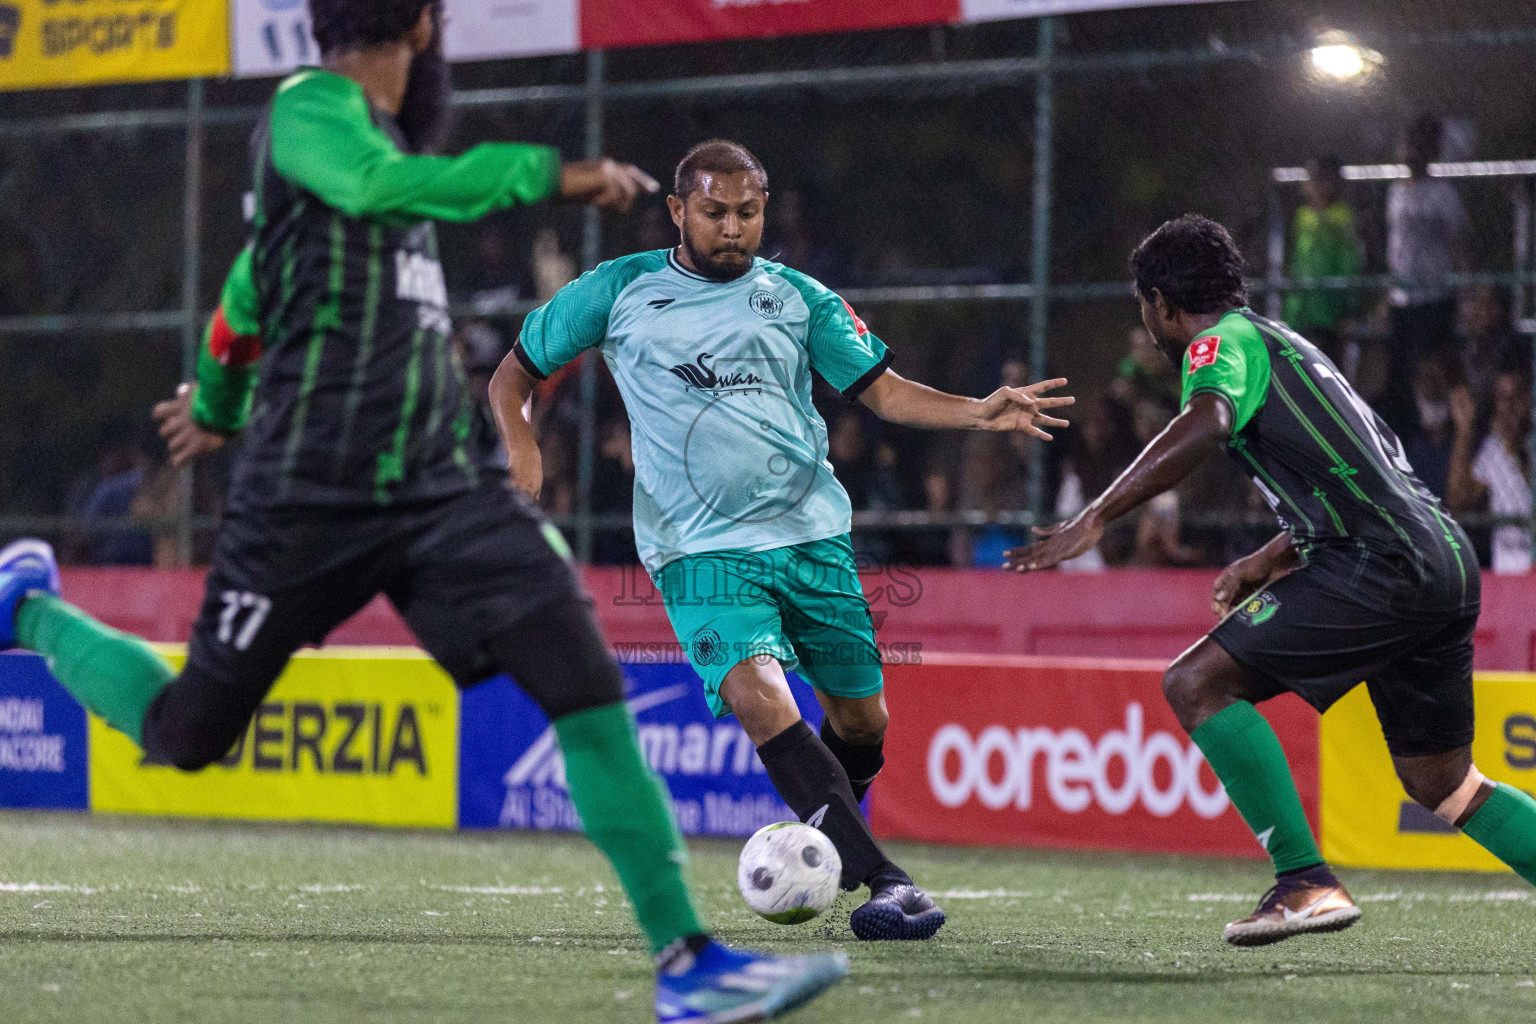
148 921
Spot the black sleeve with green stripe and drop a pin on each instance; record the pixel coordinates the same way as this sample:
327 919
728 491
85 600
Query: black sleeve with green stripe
324 140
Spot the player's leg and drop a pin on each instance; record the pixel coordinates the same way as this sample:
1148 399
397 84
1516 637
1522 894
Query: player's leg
1214 701
113 674
853 728
1309 633
1425 705
517 606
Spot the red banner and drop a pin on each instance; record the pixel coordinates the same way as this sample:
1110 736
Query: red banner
1054 752
613 23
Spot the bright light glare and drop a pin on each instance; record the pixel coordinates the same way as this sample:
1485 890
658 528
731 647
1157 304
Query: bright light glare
1339 60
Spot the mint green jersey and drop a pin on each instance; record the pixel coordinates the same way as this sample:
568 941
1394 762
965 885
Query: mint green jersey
729 451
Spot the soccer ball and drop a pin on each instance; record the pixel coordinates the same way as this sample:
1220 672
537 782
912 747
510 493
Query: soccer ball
789 872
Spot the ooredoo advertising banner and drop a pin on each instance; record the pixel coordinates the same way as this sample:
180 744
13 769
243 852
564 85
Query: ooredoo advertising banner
1050 752
46 43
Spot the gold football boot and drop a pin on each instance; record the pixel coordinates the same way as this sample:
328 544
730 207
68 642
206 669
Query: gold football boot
1311 901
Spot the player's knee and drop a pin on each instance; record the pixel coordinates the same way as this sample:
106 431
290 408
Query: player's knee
185 746
1445 789
865 729
1184 688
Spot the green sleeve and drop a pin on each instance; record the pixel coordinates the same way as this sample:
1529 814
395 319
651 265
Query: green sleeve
842 349
576 319
324 140
225 388
1230 361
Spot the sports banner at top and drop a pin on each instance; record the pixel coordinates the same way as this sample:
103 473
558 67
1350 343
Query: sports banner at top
48 43
271 37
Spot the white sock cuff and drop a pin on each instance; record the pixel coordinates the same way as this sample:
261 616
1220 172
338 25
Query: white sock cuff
1452 807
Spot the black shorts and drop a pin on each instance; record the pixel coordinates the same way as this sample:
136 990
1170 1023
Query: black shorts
1319 632
460 571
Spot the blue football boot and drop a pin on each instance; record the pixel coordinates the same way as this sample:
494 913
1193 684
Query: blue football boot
717 985
25 566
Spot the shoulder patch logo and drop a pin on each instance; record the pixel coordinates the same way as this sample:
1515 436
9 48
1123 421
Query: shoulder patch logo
766 305
1203 351
858 325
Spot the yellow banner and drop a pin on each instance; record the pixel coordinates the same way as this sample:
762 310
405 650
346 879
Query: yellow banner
1367 818
359 735
45 43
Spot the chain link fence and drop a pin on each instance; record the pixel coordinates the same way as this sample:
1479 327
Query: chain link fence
972 191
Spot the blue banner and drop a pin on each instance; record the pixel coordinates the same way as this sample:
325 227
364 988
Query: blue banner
511 773
44 760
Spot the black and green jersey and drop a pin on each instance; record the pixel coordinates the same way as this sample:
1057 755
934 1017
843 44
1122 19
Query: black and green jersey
1331 469
359 399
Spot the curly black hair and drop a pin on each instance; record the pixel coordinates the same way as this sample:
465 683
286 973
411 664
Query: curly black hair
349 24
1194 264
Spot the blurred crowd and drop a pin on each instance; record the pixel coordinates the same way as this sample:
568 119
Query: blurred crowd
1443 366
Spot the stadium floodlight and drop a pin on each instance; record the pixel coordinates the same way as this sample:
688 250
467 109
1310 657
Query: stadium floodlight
1337 57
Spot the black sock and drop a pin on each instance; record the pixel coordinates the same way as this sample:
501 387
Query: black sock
816 788
861 763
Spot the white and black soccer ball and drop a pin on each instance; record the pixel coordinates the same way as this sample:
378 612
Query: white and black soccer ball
789 872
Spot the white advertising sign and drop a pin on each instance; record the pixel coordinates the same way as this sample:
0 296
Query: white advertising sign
271 37
997 10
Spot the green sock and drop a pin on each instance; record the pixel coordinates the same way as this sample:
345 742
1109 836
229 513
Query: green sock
1245 754
1505 826
113 674
626 813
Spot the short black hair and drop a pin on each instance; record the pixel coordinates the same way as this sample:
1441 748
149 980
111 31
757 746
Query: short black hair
1327 167
1425 137
717 156
352 24
1193 262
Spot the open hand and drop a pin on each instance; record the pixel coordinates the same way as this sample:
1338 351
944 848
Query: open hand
1023 408
1062 542
185 440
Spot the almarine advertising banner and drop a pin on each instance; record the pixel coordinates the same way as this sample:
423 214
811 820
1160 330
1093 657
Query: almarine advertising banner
46 43
513 776
1051 752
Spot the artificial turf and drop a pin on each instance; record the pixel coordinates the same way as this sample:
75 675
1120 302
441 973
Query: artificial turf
149 921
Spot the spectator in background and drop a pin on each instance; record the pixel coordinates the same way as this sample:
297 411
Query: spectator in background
553 268
1497 476
494 281
1428 445
1101 444
792 242
1144 373
1487 343
868 473
480 348
1427 236
125 466
1324 244
613 493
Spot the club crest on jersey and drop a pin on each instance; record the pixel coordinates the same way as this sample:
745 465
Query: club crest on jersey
707 647
1203 352
1259 608
766 305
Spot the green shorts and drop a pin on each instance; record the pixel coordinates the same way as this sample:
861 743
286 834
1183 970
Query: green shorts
801 604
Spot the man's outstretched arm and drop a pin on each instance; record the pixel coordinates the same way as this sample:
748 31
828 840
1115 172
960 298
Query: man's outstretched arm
897 400
324 140
1202 428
